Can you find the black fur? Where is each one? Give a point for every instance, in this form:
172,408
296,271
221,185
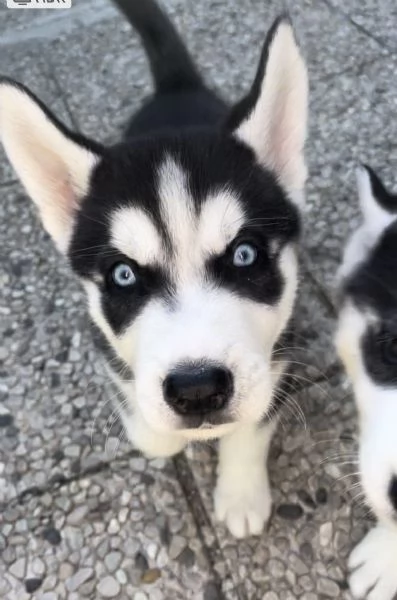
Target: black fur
373,286
386,200
188,122
172,68
374,282
184,120
379,346
181,99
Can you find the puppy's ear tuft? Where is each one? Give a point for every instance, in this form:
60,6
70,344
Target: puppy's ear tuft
378,206
272,118
53,164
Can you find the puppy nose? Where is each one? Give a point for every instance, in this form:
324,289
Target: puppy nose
198,389
393,491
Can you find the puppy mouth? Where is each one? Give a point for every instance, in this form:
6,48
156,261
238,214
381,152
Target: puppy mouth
205,421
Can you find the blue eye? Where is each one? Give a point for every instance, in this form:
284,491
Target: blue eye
244,255
122,275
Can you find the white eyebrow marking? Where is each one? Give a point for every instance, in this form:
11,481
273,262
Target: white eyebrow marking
195,237
220,220
134,234
177,205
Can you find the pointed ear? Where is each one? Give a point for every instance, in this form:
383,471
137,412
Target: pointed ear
53,164
272,118
378,206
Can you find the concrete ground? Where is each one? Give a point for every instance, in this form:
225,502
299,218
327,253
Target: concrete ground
82,515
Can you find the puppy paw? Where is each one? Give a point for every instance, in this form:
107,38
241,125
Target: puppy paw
374,565
243,503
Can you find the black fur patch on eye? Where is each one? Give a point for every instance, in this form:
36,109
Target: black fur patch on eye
261,282
121,306
379,349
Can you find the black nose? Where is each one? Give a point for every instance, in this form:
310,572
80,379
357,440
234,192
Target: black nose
198,389
393,491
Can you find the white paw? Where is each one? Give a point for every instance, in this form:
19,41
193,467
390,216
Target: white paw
374,565
243,503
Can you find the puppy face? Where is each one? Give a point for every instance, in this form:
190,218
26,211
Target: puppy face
367,338
184,243
209,273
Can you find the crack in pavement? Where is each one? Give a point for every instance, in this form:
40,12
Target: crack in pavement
361,28
201,519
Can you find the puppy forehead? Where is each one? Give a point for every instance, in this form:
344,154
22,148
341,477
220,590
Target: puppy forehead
134,234
221,218
210,221
189,226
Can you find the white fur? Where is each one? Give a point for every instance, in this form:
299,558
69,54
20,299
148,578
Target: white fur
242,495
374,565
193,239
357,250
350,328
212,324
374,560
375,217
377,408
54,170
206,322
135,235
276,128
375,221
177,211
377,405
220,220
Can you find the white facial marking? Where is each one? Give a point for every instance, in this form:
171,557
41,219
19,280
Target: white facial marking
220,221
177,211
195,237
134,234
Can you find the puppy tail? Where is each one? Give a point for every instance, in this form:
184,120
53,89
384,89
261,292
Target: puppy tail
172,68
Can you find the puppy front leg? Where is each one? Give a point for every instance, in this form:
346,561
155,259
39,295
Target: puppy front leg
242,495
374,564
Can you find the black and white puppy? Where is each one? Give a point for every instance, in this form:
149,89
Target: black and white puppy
184,237
367,344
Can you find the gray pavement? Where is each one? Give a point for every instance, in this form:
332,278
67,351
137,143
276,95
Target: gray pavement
82,515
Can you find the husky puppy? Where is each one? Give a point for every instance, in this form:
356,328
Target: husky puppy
184,236
367,344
